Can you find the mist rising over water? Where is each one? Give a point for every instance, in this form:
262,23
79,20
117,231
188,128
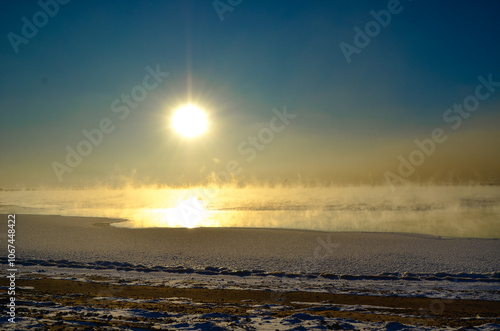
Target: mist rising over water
456,211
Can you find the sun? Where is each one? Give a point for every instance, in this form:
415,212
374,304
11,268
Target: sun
189,121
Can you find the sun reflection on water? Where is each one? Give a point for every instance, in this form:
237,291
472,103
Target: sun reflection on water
187,213
457,211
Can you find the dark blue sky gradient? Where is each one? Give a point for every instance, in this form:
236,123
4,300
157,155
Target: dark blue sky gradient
264,55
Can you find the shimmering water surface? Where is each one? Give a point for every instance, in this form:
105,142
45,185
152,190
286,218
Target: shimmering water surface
458,211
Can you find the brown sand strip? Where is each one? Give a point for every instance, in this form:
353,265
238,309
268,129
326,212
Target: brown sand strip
433,312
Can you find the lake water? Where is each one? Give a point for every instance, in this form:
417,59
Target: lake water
455,211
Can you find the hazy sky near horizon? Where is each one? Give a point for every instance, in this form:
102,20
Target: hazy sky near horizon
356,116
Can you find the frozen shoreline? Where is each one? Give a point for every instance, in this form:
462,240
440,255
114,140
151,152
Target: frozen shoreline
107,260
349,262
271,250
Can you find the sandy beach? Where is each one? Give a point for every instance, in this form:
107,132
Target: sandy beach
59,304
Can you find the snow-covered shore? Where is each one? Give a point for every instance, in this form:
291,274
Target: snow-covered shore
398,264
277,261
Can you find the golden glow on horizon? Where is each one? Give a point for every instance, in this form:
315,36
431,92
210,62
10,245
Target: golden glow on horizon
189,121
187,213
191,212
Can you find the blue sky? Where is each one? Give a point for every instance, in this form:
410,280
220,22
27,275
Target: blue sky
353,119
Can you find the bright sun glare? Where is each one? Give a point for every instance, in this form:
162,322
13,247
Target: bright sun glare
189,121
